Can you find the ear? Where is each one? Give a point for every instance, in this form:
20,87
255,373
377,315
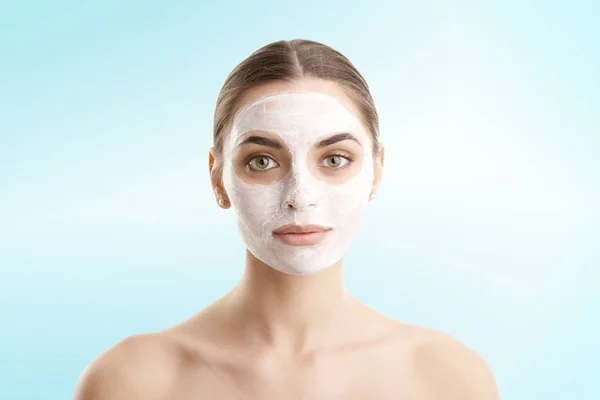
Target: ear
378,165
215,169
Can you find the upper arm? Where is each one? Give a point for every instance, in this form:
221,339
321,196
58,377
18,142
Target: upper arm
451,370
138,367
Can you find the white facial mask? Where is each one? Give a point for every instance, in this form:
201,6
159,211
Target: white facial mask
299,120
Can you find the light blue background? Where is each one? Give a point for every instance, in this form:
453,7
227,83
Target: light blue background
486,225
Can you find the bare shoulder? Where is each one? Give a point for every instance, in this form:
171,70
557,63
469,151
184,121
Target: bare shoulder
138,367
448,369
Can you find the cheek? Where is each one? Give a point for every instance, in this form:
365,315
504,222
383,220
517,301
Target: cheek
345,198
350,196
256,204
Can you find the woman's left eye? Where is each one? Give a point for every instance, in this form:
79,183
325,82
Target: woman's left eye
335,161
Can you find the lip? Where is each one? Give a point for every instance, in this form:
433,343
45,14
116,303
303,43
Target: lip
302,235
293,228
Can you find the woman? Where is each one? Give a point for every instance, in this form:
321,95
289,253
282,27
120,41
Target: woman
296,156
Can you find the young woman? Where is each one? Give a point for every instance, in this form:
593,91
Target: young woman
296,156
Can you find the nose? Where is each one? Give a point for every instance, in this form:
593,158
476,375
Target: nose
299,195
292,204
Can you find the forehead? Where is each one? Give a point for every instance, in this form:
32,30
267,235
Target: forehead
297,85
282,113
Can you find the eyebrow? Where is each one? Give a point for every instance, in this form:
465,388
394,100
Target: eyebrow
263,141
337,138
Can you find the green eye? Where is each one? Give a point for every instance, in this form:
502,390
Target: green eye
334,161
337,161
261,163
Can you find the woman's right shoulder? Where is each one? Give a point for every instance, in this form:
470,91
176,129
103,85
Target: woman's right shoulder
142,366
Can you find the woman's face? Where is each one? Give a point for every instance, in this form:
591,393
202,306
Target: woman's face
298,170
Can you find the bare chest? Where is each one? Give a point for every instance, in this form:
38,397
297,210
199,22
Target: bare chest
374,376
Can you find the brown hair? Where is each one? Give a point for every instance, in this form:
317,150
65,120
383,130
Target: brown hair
290,60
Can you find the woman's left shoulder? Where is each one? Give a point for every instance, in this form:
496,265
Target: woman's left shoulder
448,368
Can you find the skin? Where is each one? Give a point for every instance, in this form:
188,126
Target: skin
280,336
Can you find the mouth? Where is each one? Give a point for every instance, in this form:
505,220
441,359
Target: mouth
302,235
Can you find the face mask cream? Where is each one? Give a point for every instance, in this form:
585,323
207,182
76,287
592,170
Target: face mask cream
301,199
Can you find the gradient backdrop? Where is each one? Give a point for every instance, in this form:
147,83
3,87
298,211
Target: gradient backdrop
486,225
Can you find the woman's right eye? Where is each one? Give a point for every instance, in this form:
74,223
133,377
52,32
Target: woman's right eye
262,163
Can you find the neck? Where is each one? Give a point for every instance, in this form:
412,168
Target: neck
290,313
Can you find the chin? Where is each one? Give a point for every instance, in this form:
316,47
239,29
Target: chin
300,271
304,267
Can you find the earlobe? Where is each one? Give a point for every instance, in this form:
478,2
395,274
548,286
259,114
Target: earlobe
223,203
215,181
222,199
